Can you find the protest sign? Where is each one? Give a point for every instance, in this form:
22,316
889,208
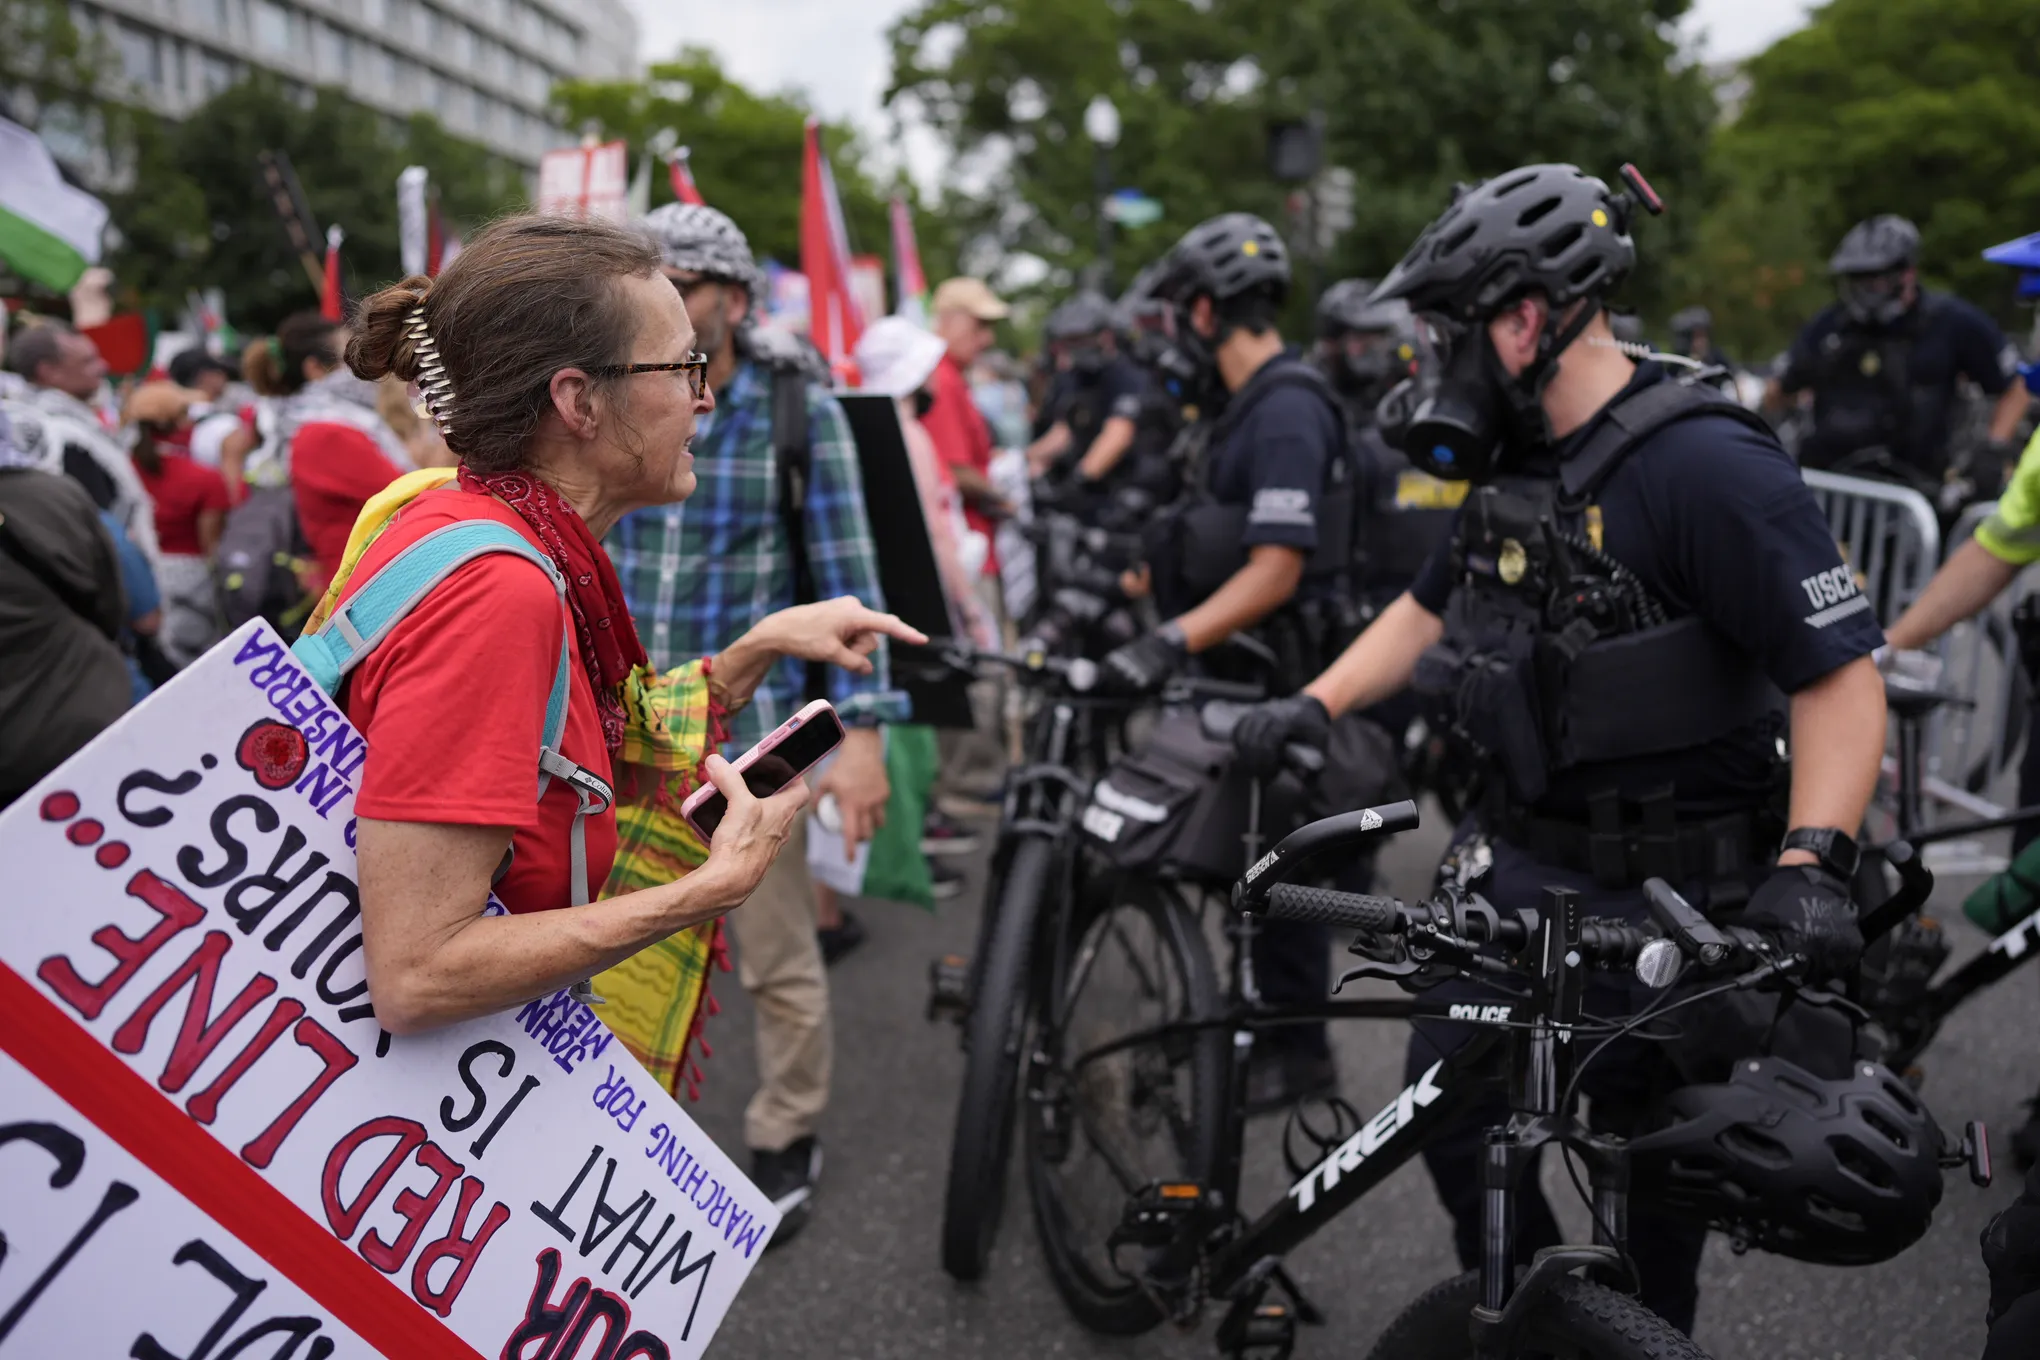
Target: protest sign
208,1145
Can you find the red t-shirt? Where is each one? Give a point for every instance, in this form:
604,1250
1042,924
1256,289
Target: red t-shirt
182,490
962,439
453,704
334,469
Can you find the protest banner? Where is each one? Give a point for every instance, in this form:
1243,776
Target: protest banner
208,1145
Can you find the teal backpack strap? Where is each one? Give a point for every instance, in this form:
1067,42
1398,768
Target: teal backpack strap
357,627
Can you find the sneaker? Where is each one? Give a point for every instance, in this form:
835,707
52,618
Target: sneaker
944,835
787,1178
838,940
1278,1078
945,883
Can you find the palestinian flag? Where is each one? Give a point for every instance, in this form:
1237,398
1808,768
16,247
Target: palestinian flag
49,231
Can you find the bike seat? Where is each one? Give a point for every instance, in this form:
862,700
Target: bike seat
1912,701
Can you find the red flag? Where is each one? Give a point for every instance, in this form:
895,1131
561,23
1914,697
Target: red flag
683,179
834,321
907,264
330,303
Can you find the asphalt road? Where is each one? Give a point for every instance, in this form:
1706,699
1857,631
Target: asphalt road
864,1280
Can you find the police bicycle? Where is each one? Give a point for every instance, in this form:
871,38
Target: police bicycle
1037,878
1177,1241
1901,986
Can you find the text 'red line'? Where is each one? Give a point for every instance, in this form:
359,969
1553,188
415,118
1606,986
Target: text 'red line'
123,1105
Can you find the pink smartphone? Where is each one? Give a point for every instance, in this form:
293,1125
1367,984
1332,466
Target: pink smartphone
780,757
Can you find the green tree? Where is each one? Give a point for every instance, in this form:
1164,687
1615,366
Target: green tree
198,215
1927,108
1413,97
745,152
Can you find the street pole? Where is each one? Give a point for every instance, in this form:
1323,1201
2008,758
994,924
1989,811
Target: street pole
1101,125
1103,165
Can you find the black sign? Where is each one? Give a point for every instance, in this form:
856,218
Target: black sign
906,559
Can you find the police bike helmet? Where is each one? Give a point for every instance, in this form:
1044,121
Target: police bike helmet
1225,258
1550,230
1239,262
1690,319
701,240
1348,306
1869,268
1087,314
1842,1172
1362,344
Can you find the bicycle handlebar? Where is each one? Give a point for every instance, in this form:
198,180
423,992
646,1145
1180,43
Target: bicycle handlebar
1606,944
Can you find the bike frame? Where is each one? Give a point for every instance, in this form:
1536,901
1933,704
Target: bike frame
1529,1050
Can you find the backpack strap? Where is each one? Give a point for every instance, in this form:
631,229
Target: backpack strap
1636,418
357,627
360,624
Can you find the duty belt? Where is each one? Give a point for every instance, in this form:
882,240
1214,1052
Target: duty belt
1623,852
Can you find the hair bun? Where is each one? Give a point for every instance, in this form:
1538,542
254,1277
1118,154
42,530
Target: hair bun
382,344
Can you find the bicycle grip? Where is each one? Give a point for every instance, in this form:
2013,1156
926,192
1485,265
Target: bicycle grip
1325,906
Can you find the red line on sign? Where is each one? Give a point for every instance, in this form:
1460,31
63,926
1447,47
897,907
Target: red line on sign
122,1104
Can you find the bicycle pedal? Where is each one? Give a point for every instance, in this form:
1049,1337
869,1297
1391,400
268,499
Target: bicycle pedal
1264,1331
949,988
1154,1216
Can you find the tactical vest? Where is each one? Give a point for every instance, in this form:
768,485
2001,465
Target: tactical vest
1404,515
1554,654
1196,546
1864,395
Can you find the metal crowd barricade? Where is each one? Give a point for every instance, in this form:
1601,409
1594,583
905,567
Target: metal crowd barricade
1889,536
1971,750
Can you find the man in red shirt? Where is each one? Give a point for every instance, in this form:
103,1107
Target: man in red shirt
965,310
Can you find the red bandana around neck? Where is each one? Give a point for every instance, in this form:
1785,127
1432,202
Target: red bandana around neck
609,642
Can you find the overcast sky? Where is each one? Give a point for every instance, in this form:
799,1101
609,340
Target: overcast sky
835,50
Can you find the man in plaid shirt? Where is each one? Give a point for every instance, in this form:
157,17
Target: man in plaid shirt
701,573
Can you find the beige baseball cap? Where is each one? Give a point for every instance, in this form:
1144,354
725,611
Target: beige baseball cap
966,294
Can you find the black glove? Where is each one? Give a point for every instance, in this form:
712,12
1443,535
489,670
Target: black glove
1145,664
1810,911
1265,729
2011,1249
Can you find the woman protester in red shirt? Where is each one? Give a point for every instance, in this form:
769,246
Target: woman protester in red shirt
559,365
191,506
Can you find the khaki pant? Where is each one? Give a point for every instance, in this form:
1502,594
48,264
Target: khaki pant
779,963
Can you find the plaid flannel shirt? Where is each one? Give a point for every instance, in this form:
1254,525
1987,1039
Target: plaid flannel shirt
700,573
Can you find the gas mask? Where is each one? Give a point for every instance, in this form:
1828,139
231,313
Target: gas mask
1874,299
1460,409
1183,361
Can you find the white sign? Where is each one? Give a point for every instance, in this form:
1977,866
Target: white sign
206,1139
591,181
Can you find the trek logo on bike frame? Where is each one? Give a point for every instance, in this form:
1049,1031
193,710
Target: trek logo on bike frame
1362,1145
2020,938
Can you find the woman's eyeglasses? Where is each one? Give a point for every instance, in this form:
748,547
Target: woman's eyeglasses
695,366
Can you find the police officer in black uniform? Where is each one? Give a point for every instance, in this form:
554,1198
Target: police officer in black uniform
1262,546
1364,349
1638,594
1094,399
1883,362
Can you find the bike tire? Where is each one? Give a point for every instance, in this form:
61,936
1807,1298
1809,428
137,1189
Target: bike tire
1577,1320
1185,984
993,1036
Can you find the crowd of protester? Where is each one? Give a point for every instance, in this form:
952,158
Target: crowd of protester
143,517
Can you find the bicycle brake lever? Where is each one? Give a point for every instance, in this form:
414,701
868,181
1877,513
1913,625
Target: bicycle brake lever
1399,973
